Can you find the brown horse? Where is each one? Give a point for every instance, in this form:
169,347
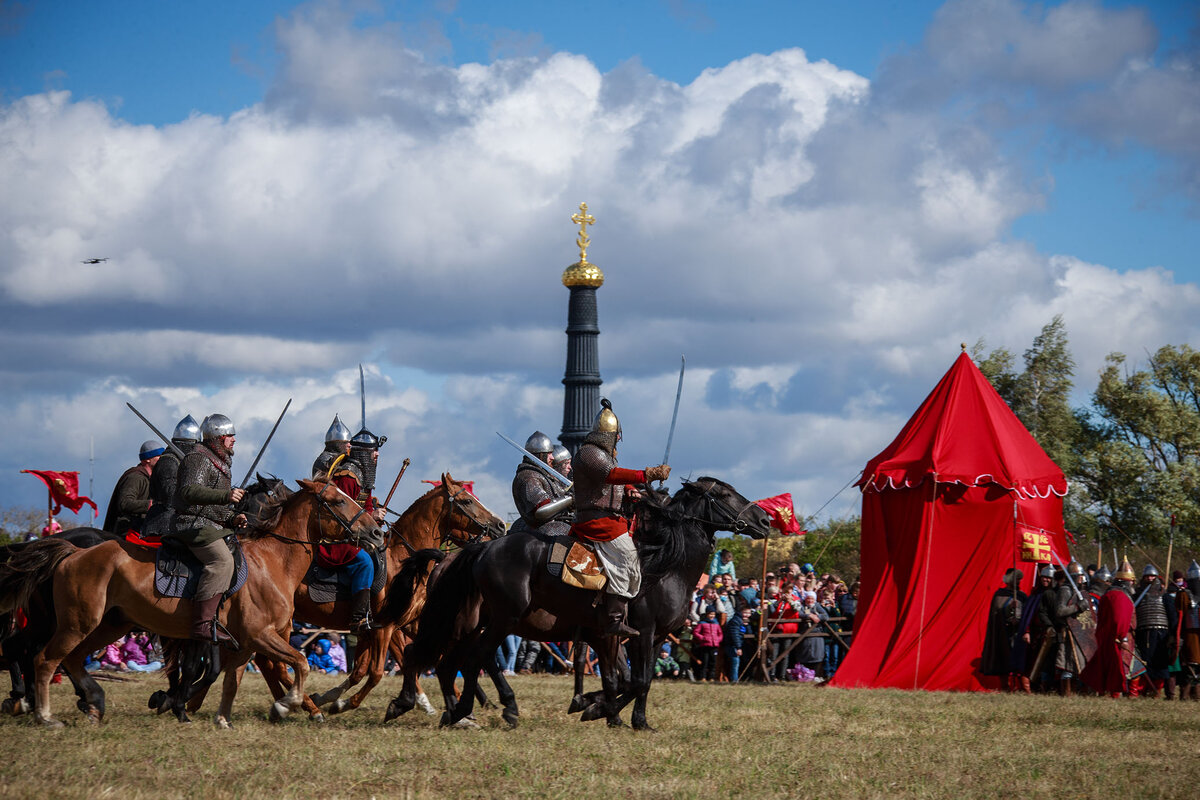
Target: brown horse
103,592
445,515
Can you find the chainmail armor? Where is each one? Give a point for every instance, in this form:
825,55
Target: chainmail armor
1151,613
594,498
163,480
202,467
530,488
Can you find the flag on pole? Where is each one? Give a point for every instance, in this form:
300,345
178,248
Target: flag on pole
64,490
1035,544
783,514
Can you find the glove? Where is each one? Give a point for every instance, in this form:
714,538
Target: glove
659,473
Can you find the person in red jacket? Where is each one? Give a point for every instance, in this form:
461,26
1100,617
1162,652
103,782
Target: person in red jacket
787,612
707,637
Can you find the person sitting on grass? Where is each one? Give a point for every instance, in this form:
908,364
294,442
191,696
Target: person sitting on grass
319,660
138,653
337,652
111,659
665,666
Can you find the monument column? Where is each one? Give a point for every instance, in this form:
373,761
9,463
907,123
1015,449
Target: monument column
582,380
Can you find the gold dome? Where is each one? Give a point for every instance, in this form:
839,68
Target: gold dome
583,273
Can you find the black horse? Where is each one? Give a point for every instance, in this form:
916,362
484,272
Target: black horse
191,665
502,587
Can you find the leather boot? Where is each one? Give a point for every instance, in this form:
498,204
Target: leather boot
205,626
1064,687
1170,689
360,611
614,612
1026,686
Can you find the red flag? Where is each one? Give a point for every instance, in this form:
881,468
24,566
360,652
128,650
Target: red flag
783,515
64,490
468,485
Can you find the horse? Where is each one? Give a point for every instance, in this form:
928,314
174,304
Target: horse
445,515
103,592
502,587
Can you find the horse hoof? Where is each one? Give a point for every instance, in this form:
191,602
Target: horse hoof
317,717
578,703
279,710
52,724
594,711
94,717
339,707
23,707
511,718
616,723
155,703
424,704
645,726
466,724
222,724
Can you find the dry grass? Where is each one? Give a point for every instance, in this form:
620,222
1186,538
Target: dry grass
713,741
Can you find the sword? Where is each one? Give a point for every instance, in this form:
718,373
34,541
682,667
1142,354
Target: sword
362,394
174,447
1143,594
263,449
1070,580
537,462
403,467
674,416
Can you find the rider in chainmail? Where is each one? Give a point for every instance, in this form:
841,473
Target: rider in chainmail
166,475
337,442
599,495
545,505
204,519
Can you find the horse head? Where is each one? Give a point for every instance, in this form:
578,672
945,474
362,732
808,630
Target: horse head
339,518
262,497
465,519
720,507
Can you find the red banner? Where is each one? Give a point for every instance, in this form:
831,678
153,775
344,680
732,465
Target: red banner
1035,544
468,485
783,514
64,490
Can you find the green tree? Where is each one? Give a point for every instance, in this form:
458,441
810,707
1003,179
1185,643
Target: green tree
1140,453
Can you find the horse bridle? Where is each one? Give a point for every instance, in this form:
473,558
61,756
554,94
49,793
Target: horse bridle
732,519
346,526
452,504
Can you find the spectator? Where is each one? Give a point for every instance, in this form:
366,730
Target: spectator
506,654
138,653
338,653
747,593
735,636
110,658
549,662
319,660
811,650
707,600
722,564
665,666
708,635
684,651
51,527
527,656
848,605
833,648
725,609
785,614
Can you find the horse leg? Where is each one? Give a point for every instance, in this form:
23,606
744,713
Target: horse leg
368,662
87,688
479,652
641,672
357,671
506,695
579,701
609,707
205,660
233,679
272,645
15,703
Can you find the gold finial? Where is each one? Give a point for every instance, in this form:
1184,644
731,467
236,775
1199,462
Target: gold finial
963,345
583,273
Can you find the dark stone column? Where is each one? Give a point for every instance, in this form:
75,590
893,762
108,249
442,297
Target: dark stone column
582,378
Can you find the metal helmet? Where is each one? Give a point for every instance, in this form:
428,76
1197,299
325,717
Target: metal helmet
150,448
1150,571
606,421
561,454
1126,572
362,446
188,430
1193,570
215,425
1103,574
539,444
1046,572
337,432
1078,574
1193,579
1012,577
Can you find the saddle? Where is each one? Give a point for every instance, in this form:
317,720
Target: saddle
177,571
574,562
331,584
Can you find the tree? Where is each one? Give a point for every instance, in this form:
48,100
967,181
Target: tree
1140,453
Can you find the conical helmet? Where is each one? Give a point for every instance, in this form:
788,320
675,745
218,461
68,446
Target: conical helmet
1126,572
1103,574
215,425
606,421
188,430
1150,571
337,432
1046,572
539,443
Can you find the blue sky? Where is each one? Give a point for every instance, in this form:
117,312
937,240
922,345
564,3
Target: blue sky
815,201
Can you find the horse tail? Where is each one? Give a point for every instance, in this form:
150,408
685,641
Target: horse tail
448,595
403,589
26,567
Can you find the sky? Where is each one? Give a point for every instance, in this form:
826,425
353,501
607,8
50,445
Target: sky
815,202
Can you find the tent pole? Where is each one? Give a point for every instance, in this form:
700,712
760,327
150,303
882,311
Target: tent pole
762,615
1016,551
925,583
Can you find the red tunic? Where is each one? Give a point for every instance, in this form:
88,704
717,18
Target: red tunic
605,529
342,553
1106,672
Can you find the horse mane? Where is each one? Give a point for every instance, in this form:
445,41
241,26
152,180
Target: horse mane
412,508
668,534
270,515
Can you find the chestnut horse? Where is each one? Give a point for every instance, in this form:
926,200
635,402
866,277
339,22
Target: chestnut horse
446,514
103,592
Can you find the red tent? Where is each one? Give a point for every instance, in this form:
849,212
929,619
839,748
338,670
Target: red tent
962,493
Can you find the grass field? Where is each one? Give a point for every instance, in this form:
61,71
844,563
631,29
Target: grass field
712,741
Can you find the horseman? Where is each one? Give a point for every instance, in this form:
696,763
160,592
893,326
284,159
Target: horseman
354,475
337,443
166,475
540,500
600,489
131,496
203,519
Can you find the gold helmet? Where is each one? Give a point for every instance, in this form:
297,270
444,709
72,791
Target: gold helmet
1126,572
606,421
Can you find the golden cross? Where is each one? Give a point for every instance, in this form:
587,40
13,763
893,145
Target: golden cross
583,219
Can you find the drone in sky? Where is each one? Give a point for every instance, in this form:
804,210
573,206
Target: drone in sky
93,261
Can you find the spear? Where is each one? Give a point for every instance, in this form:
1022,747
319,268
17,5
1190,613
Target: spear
1170,547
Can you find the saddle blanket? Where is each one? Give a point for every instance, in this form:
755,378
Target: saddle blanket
575,563
177,571
329,585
